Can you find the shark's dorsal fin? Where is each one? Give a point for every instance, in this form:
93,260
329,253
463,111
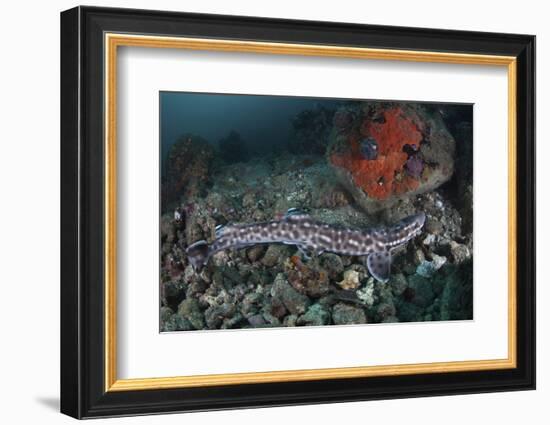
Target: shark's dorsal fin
220,229
379,265
295,214
294,211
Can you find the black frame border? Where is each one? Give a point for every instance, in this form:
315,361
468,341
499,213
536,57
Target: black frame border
82,206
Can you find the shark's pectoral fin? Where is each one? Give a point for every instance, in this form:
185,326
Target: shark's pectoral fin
198,254
379,265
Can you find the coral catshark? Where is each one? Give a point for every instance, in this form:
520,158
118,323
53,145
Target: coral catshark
313,238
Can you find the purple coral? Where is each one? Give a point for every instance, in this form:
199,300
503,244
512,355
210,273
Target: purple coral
414,166
369,148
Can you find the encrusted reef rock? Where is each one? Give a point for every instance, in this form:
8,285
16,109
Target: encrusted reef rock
350,281
187,167
344,314
295,302
308,279
316,315
384,152
189,309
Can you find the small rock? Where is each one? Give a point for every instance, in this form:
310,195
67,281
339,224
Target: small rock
316,315
295,302
173,292
176,323
217,278
165,313
438,261
255,252
419,257
429,240
422,291
188,273
459,252
398,283
333,264
240,290
195,287
366,294
361,269
249,200
233,322
344,314
350,281
275,308
231,277
385,310
205,275
258,278
290,320
256,320
190,310
409,268
214,315
251,303
273,255
308,280
428,268
433,226
409,312
220,258
270,319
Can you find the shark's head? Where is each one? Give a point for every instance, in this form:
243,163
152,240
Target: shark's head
413,223
406,229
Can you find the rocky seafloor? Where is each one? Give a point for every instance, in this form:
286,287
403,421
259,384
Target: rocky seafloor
272,285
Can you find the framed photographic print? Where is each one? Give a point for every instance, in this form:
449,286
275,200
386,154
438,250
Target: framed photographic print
261,212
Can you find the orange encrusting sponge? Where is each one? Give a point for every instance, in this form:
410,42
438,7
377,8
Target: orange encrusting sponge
377,177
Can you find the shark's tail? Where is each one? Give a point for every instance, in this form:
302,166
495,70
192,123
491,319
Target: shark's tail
198,254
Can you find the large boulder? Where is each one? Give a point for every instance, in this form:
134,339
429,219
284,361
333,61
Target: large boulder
385,152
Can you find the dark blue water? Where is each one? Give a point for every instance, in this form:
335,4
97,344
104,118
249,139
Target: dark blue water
264,121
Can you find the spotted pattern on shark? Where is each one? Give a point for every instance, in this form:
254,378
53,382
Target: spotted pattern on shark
312,238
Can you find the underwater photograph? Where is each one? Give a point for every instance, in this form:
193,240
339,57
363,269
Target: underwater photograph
283,211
